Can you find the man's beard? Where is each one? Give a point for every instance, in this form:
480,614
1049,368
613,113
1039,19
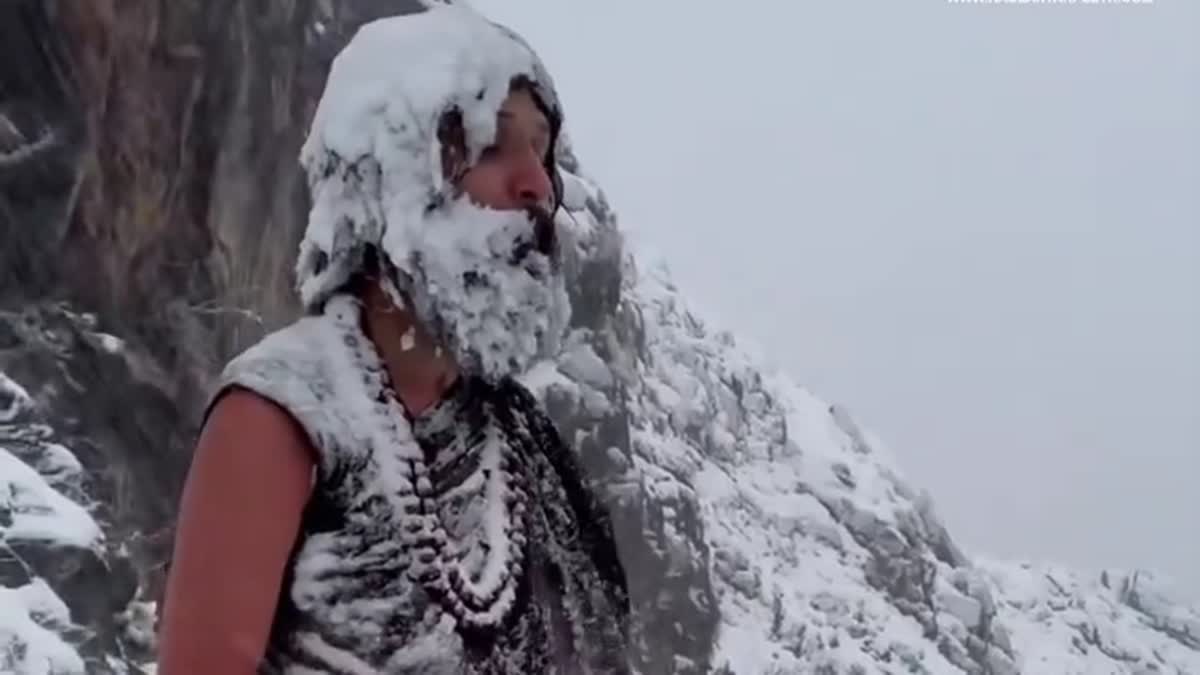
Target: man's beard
484,284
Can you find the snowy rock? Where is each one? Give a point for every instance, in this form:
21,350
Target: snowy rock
1064,621
581,363
32,619
14,400
65,583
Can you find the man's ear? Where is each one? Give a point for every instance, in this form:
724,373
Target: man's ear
453,141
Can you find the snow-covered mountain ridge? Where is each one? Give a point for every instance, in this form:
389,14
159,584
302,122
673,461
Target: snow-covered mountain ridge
823,557
827,560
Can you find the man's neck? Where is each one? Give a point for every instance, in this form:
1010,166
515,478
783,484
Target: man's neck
420,371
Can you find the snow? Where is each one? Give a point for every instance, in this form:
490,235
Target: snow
32,510
374,164
510,315
1074,623
28,643
383,99
17,154
582,363
38,511
793,509
545,376
110,343
14,399
790,579
57,463
802,507
495,524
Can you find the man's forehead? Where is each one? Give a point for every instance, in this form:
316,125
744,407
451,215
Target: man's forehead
511,113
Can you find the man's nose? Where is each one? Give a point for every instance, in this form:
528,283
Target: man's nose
530,184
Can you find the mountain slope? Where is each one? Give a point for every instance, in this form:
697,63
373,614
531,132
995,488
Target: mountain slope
820,556
826,560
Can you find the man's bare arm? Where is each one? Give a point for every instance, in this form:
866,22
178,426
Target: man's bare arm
239,517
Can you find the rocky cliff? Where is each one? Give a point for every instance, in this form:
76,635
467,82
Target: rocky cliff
150,208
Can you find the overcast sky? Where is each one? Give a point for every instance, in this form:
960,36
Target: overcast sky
976,226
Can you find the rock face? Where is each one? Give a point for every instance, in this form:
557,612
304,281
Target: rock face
148,190
150,207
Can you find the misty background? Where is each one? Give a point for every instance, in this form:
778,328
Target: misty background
977,226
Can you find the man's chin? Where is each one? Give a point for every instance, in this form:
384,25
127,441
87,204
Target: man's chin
492,360
489,335
485,283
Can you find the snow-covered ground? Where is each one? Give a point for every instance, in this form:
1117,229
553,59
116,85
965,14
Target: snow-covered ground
34,512
1112,622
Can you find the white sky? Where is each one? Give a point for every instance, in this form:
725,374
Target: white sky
977,226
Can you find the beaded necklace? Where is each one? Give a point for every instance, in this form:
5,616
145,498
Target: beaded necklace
436,560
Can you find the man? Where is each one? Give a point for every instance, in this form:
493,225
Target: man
373,491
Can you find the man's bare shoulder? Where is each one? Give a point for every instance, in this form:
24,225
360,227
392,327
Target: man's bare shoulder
242,420
239,516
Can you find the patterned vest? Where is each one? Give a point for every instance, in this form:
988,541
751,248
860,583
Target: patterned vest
461,541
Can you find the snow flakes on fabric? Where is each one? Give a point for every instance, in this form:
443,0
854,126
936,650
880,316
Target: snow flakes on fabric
463,540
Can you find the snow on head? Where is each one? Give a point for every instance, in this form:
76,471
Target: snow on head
475,277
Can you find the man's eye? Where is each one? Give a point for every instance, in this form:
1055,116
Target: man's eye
490,152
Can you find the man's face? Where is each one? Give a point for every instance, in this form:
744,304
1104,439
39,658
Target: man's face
481,267
511,173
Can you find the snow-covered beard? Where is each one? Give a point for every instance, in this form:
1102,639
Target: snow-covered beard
484,284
